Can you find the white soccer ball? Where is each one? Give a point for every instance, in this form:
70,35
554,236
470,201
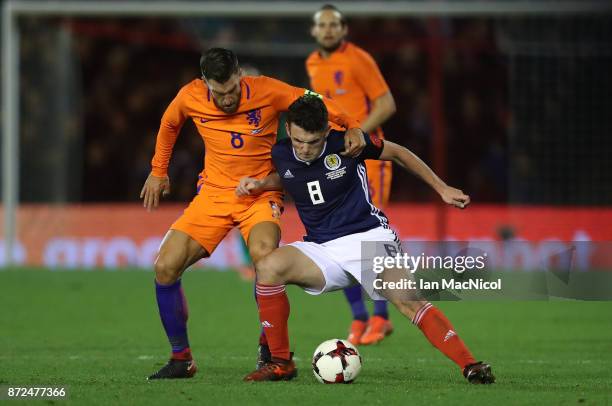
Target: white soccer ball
336,361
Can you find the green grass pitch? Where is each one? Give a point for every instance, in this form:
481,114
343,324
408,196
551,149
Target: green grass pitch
99,333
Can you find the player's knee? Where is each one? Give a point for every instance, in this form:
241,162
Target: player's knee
166,272
260,249
270,271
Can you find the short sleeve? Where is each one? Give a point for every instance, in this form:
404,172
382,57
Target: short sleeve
369,76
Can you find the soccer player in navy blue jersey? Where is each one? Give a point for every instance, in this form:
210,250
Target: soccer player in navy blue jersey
331,195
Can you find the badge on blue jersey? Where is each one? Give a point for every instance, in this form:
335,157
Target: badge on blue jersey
332,162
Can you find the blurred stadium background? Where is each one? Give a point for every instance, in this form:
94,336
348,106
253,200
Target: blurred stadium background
508,100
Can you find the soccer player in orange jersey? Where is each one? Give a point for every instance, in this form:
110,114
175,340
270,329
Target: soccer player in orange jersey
237,117
349,75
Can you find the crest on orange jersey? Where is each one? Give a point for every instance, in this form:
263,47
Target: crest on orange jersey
338,77
277,210
254,117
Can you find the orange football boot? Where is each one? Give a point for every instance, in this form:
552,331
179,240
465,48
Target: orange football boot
358,327
378,329
276,370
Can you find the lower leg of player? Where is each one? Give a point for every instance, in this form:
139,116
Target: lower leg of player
442,335
355,298
285,265
273,306
274,314
262,239
263,351
262,335
440,332
177,252
360,314
380,309
431,321
174,313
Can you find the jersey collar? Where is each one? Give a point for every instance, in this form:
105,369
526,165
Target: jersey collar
245,90
340,49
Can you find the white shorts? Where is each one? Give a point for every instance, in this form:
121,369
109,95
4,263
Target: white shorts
345,261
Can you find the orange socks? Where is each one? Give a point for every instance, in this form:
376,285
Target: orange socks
441,334
274,313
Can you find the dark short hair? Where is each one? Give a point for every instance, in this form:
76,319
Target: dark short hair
331,7
218,64
309,113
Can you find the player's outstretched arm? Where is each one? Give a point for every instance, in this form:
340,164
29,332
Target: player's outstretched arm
408,160
251,186
153,187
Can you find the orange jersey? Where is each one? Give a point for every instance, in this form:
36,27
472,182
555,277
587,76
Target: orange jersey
349,76
238,144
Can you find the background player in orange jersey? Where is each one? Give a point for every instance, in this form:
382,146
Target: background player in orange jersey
350,76
237,117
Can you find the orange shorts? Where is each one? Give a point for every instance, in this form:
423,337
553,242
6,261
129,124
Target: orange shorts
379,179
214,212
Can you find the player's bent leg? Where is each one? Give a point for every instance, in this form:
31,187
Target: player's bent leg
177,252
289,265
286,265
263,239
437,329
359,324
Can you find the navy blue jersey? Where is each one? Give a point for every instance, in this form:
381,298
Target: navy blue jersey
330,193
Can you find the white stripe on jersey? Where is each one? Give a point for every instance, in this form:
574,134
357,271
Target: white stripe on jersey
361,171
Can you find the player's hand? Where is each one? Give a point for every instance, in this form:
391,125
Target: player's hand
154,187
249,186
455,197
354,142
